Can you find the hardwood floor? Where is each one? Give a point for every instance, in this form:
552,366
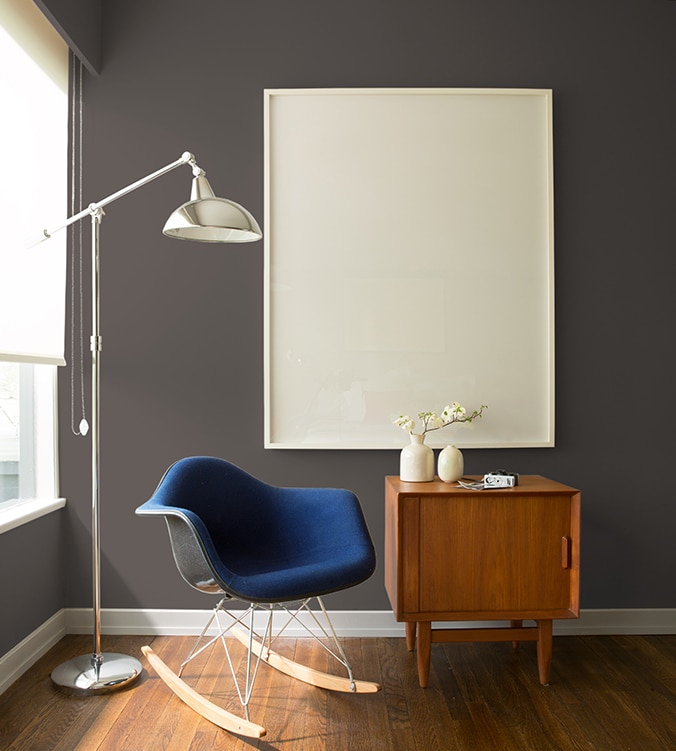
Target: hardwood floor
606,694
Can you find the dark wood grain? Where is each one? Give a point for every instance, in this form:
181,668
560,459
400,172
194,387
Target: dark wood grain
607,693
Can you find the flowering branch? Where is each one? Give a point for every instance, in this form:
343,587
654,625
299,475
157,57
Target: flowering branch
452,413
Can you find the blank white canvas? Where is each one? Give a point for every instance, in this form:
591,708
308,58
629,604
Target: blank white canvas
409,264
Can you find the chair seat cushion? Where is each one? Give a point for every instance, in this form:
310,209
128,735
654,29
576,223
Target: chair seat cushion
301,577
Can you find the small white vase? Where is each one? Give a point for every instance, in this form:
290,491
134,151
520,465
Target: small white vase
451,464
416,463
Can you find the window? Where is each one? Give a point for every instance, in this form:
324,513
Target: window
34,128
9,432
27,433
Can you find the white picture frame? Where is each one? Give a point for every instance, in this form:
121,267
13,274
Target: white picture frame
409,263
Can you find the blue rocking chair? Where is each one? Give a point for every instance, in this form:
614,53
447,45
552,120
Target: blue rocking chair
275,549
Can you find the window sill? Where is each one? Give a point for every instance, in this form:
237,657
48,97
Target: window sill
26,511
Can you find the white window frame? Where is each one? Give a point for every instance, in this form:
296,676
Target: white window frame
27,433
38,459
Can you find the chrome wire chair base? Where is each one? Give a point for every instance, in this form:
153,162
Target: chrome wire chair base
255,628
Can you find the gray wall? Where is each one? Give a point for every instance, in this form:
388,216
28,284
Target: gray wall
183,324
32,575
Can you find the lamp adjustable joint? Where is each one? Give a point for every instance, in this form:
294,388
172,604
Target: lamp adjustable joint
96,211
189,158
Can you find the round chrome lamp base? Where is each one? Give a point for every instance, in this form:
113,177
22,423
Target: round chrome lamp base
96,674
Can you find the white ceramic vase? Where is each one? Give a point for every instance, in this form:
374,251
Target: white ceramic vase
450,464
416,463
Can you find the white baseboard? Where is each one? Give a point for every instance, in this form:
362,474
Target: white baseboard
352,623
191,622
615,622
358,623
15,663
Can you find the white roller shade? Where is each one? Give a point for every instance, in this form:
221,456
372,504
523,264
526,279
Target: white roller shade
33,184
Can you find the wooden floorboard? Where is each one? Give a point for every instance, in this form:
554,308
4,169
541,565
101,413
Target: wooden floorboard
607,693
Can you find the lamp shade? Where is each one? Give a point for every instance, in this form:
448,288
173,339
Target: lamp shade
206,218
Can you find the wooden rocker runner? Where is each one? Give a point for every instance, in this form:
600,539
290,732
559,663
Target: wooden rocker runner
275,549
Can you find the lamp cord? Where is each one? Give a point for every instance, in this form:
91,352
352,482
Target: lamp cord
76,307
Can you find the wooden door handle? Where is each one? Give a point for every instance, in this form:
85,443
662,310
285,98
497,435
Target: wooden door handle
565,552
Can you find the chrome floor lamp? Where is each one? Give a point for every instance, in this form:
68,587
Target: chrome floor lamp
205,218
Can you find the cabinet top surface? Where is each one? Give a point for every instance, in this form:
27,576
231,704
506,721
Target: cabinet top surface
534,484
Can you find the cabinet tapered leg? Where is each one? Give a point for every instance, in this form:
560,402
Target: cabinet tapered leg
424,652
515,624
410,635
544,650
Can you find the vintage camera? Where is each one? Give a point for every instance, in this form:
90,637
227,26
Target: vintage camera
500,479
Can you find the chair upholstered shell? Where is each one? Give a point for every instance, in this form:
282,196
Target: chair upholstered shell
235,534
277,549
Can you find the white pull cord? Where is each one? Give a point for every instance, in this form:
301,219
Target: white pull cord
76,302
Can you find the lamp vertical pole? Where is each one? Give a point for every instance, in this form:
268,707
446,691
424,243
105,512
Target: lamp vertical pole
98,672
95,447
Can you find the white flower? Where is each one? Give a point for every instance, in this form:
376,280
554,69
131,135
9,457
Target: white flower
435,422
452,413
405,422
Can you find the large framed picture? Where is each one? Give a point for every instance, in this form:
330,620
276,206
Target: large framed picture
409,263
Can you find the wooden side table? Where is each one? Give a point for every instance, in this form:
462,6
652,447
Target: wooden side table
453,554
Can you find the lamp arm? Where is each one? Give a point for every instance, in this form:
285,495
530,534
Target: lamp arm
95,208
